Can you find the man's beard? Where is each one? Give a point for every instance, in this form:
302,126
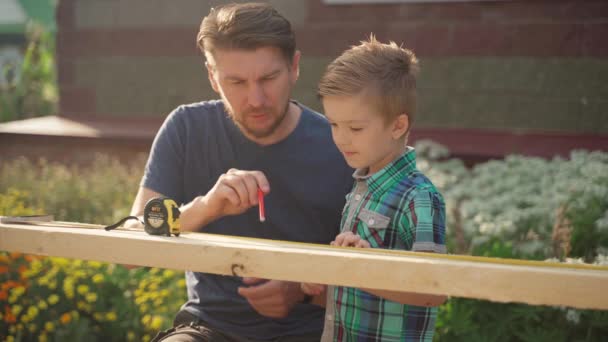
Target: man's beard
258,133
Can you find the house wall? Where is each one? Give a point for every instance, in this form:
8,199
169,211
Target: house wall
512,66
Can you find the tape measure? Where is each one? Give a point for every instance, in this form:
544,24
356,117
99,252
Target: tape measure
161,217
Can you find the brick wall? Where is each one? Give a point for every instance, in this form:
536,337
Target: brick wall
515,66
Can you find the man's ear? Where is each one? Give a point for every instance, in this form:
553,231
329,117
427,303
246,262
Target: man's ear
401,125
295,66
211,75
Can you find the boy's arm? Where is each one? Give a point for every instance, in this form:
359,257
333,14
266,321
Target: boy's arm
425,214
409,298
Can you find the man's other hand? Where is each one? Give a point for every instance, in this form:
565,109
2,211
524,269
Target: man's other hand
271,298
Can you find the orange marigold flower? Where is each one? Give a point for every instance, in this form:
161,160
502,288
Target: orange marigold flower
65,318
8,315
30,257
3,295
3,269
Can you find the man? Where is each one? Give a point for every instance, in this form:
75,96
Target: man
213,156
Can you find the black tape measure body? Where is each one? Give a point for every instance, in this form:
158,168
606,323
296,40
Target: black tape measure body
161,217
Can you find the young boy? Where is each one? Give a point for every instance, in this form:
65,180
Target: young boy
369,97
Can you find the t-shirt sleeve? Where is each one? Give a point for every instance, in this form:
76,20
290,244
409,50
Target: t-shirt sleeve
164,168
426,215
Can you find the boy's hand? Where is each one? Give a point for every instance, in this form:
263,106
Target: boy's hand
348,239
312,289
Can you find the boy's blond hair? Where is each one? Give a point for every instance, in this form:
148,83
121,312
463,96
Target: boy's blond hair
385,73
246,26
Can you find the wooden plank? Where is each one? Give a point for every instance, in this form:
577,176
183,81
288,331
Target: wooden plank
499,280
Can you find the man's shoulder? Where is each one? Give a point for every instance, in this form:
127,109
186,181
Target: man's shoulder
313,115
202,108
196,116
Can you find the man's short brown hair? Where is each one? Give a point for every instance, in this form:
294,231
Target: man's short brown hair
385,73
246,26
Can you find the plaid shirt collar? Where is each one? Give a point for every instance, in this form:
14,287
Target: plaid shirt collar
384,179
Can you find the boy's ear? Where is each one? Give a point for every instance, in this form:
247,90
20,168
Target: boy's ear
401,126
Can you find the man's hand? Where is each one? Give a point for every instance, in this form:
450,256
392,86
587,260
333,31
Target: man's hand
235,192
312,289
271,298
348,239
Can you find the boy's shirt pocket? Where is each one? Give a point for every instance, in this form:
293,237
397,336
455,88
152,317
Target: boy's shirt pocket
372,227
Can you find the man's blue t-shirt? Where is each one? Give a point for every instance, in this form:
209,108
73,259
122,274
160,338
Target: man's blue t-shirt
308,180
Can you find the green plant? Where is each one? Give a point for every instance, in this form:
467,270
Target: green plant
73,300
523,208
33,90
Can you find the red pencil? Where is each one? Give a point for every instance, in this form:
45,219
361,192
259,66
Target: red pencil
261,205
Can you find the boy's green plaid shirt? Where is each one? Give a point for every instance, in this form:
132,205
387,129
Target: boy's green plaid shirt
395,208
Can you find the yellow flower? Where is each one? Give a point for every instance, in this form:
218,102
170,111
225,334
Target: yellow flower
156,323
95,264
153,286
12,329
168,273
91,297
53,299
98,316
42,305
49,326
146,319
52,284
111,316
82,289
145,338
181,283
15,293
61,262
18,290
32,312
80,274
68,287
10,339
130,336
42,338
144,308
98,278
16,309
43,281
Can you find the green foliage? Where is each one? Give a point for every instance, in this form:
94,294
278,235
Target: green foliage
523,208
32,86
73,300
520,207
101,192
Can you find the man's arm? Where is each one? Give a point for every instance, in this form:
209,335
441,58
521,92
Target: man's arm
233,193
